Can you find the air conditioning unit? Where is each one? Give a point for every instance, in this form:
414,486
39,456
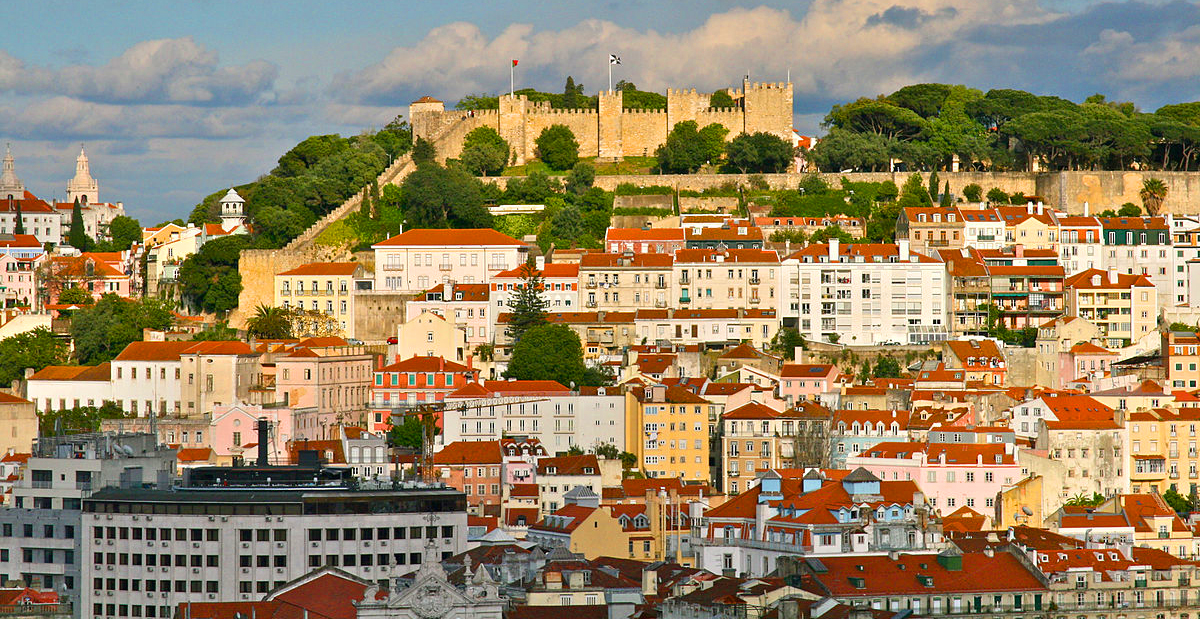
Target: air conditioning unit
212,596
135,518
164,569
195,544
278,518
97,517
268,519
149,518
212,518
110,542
279,544
166,545
108,516
224,518
245,570
164,594
110,568
149,568
366,568
245,544
315,544
110,594
383,542
366,543
279,570
149,594
195,570
148,544
97,542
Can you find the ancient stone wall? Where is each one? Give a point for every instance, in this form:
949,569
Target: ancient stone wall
583,123
378,313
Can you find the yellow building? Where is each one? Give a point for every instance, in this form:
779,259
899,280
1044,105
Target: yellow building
430,335
650,531
1163,450
326,287
667,429
18,424
1123,306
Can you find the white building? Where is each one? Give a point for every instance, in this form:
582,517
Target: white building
864,294
147,551
146,377
544,410
419,259
982,228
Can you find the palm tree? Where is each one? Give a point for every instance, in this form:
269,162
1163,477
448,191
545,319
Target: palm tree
270,323
1153,193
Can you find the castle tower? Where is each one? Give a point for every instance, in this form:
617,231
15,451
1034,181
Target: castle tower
10,185
83,186
232,210
612,107
512,126
424,115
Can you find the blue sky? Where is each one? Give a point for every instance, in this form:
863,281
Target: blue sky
176,100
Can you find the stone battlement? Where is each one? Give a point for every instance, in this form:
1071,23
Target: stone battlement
611,131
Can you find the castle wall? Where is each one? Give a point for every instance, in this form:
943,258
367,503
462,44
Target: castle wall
583,123
643,131
768,108
731,118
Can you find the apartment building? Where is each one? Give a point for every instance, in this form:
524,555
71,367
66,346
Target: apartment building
147,377
727,279
1079,242
929,229
1030,226
708,328
865,294
1123,306
756,438
952,475
334,380
150,551
1026,285
326,287
626,281
982,228
643,240
59,387
553,414
667,429
736,235
1142,246
418,259
1181,359
21,258
480,468
1163,450
560,287
419,380
463,305
1090,450
853,432
854,226
216,374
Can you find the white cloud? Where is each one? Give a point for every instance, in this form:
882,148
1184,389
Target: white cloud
838,48
163,71
1120,56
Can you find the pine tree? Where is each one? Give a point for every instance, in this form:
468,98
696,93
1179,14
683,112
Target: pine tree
375,206
527,308
77,237
20,227
946,196
933,186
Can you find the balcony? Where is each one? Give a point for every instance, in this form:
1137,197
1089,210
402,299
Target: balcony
393,266
937,243
445,266
661,303
685,299
590,284
756,301
285,292
85,486
661,284
41,485
754,281
590,303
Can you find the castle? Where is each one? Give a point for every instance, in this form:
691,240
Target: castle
610,132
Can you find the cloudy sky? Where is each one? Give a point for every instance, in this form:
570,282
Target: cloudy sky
177,100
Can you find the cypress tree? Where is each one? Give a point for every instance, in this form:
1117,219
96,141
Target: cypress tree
933,186
20,227
527,308
77,237
946,195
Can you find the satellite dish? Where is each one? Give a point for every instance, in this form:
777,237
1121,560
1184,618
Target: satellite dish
1025,510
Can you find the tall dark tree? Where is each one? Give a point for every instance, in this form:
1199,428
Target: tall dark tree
933,186
572,94
527,308
77,237
19,228
423,151
945,203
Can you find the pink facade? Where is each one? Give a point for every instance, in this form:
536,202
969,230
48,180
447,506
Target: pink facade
466,305
801,382
233,428
18,280
335,383
1085,361
952,475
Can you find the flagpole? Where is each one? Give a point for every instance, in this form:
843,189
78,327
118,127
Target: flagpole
512,70
610,74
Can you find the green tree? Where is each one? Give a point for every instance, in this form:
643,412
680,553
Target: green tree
878,117
33,350
101,331
1129,209
270,323
580,178
1153,194
785,342
443,197
557,147
77,237
926,100
886,367
572,96
914,193
19,226
628,460
933,186
972,192
712,138
843,149
423,151
209,278
75,296
831,232
410,433
607,451
1177,501
1083,500
305,155
759,153
568,224
574,450
124,231
548,352
684,150
721,98
996,195
81,419
218,332
527,308
484,152
945,202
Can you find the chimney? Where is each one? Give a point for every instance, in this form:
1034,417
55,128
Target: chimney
834,249
1039,207
263,429
903,250
540,262
1112,275
447,291
1020,251
649,582
1085,210
1029,207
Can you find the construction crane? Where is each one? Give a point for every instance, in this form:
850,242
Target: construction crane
428,415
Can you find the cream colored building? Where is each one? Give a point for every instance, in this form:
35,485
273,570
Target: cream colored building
335,380
626,282
1123,306
419,259
18,424
430,335
218,374
326,287
727,279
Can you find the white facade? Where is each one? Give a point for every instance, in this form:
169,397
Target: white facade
1156,262
51,394
557,421
419,259
866,294
241,546
142,387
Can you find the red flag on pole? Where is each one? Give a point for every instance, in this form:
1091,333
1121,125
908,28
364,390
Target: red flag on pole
514,63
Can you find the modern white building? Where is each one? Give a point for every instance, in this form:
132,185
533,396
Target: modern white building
865,294
148,551
544,410
59,387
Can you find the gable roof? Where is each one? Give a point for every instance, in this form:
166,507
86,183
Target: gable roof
102,372
485,237
324,268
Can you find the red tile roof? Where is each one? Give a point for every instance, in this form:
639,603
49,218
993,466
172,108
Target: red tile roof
425,364
555,269
330,593
450,238
647,260
1095,279
644,234
712,256
102,372
470,452
325,268
569,465
882,575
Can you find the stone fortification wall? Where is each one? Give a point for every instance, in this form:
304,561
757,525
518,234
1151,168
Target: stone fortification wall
378,313
610,131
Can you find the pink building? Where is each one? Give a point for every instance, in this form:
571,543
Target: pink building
801,382
466,305
420,258
99,274
234,432
952,475
644,240
1085,361
330,380
18,280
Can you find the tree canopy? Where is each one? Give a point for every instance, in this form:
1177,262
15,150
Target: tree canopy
34,350
484,152
436,196
209,278
103,330
557,147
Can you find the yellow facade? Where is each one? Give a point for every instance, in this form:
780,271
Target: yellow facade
1163,446
667,429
